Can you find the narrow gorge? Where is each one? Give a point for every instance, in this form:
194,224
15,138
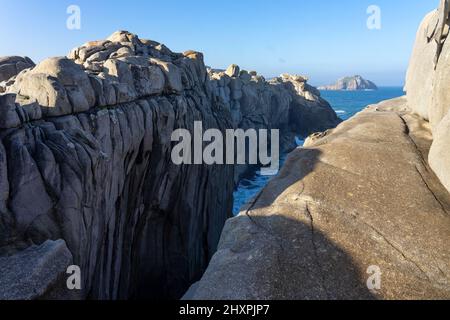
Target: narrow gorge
359,211
86,176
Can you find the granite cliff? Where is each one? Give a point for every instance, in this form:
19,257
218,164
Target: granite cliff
367,200
86,176
427,83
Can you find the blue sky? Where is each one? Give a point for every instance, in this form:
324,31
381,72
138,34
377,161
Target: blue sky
324,39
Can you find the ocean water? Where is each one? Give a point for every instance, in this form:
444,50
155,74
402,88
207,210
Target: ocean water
346,104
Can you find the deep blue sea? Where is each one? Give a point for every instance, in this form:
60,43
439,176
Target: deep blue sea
346,104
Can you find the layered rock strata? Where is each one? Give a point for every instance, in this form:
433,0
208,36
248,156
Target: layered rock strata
10,67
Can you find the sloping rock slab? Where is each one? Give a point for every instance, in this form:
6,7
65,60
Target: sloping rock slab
357,199
34,272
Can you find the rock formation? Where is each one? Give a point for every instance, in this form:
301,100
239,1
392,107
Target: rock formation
363,211
355,201
85,164
351,84
41,277
427,86
287,103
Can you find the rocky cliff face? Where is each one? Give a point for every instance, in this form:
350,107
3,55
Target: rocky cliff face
427,84
363,211
10,67
358,201
287,103
351,84
85,164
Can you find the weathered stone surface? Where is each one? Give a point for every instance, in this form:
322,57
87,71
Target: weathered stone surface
58,84
286,103
11,66
361,195
9,117
172,74
351,84
440,152
439,106
427,84
35,272
420,75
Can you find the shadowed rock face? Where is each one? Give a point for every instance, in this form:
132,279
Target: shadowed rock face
358,196
11,66
85,157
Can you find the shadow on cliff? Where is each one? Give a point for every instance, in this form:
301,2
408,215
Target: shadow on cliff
279,258
299,164
310,265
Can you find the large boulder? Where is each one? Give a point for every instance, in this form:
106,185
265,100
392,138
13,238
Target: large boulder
440,151
440,95
58,84
420,75
96,169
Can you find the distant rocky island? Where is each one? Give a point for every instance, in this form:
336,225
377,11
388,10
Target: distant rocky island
354,83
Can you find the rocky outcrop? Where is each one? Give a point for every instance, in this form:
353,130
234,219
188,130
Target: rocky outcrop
427,84
12,66
362,211
287,103
85,157
351,84
357,201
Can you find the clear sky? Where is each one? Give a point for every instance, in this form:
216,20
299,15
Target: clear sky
324,39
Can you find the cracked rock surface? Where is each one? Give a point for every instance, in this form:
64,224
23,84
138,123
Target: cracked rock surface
358,196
